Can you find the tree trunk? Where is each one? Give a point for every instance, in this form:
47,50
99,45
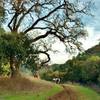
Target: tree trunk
14,66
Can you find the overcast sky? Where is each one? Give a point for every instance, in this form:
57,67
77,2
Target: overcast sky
92,24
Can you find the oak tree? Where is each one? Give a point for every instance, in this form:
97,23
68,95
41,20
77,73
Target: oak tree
37,21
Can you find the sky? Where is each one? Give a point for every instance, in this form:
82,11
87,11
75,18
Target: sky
92,24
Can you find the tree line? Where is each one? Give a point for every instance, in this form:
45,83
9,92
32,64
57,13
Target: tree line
84,69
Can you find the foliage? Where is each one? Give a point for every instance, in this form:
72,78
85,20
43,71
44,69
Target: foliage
58,19
2,12
4,69
11,45
84,69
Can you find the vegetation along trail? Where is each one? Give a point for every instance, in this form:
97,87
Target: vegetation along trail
75,92
67,94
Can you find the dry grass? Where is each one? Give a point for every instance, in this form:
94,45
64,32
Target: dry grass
27,88
21,84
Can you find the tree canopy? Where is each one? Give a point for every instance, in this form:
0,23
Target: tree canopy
35,21
84,70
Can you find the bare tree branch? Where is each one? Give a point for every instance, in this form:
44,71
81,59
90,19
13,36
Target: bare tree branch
48,57
42,18
24,14
59,18
11,22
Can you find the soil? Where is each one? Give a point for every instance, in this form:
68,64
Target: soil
66,94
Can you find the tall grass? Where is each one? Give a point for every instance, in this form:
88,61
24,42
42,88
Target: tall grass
24,89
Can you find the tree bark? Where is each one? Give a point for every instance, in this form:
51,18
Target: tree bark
14,67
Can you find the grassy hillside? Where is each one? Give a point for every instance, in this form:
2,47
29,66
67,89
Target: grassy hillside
29,95
24,89
86,93
36,89
94,50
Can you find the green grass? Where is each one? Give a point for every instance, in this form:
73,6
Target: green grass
24,89
31,96
85,93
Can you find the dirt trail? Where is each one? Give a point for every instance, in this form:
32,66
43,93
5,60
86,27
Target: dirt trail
67,94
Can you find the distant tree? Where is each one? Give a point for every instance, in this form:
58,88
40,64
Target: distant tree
92,68
60,19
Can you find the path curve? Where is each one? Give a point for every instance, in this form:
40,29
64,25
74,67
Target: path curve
66,94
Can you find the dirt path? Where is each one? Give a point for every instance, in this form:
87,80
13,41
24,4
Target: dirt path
67,94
